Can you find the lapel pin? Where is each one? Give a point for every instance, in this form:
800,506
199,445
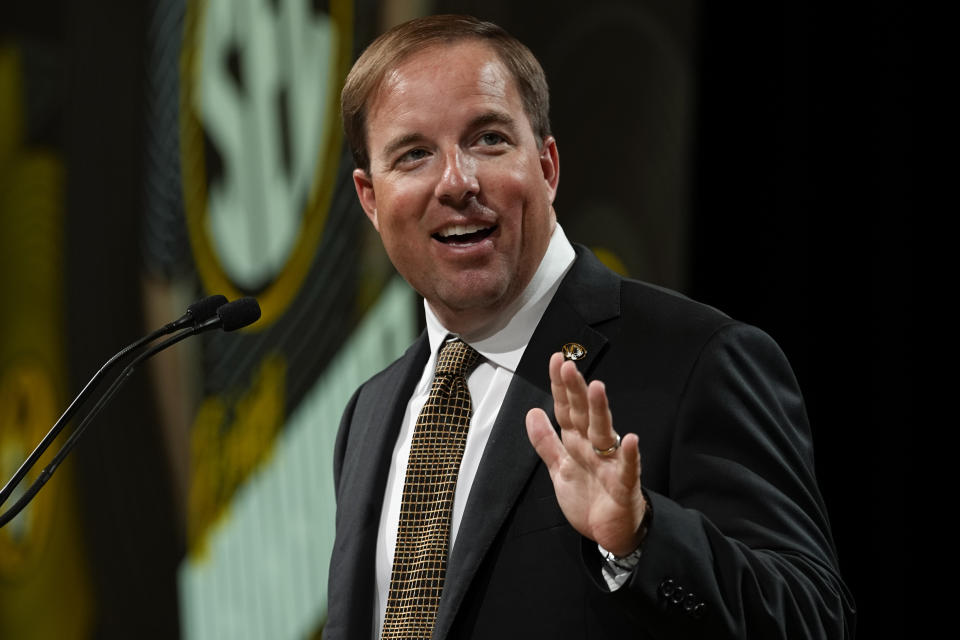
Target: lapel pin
573,351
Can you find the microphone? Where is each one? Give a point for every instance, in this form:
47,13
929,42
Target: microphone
196,314
232,316
199,311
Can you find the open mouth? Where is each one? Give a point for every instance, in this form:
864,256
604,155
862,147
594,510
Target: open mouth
463,234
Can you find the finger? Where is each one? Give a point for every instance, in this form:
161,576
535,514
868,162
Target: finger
576,397
630,460
544,439
561,405
600,431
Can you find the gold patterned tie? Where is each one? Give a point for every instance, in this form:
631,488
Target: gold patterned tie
423,532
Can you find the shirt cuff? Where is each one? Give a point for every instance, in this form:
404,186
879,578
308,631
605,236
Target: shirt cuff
616,570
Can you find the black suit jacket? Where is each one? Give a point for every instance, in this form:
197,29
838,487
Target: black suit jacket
738,545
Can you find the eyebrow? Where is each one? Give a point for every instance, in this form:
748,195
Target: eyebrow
492,117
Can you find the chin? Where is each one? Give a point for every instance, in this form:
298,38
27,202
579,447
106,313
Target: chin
469,299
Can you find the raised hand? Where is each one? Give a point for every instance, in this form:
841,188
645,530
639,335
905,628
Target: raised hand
595,474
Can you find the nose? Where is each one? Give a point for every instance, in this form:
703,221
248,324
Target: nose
459,180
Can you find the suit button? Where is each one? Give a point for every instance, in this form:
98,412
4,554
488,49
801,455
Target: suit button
697,612
667,588
689,603
678,595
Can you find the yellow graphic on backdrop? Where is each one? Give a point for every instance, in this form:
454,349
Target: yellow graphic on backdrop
41,550
231,436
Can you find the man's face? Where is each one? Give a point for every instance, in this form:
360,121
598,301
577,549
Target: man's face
458,189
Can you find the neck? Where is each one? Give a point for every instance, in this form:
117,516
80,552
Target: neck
465,323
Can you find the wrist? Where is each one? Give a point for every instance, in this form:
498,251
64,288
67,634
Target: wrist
632,547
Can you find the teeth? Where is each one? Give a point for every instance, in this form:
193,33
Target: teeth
460,230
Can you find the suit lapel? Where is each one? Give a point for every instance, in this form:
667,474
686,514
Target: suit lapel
588,295
374,430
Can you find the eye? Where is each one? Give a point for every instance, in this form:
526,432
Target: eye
491,139
412,155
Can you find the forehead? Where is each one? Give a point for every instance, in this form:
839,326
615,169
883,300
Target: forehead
443,80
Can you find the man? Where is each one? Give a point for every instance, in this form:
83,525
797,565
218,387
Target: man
548,527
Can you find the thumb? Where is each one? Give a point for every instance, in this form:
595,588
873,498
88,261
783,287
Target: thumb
544,439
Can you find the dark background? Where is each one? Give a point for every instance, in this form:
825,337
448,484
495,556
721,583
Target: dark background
803,226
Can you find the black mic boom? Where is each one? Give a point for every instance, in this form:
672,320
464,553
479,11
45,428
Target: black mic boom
204,315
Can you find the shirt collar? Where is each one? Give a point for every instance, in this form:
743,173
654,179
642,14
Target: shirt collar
505,342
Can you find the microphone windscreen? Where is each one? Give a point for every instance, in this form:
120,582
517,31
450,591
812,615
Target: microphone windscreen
239,313
206,308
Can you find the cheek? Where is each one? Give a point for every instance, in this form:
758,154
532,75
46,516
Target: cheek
402,208
521,198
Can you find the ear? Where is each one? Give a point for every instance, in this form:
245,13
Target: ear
368,199
550,165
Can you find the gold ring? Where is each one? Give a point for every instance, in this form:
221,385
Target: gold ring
609,451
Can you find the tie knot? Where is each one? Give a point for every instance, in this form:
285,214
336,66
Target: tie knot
456,358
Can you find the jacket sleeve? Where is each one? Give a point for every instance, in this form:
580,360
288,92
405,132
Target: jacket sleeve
739,543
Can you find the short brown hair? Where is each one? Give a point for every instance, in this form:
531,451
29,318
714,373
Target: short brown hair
395,45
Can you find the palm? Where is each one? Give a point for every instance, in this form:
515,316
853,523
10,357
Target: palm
599,495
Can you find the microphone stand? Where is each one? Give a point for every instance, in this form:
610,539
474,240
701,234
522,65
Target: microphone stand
197,312
231,316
